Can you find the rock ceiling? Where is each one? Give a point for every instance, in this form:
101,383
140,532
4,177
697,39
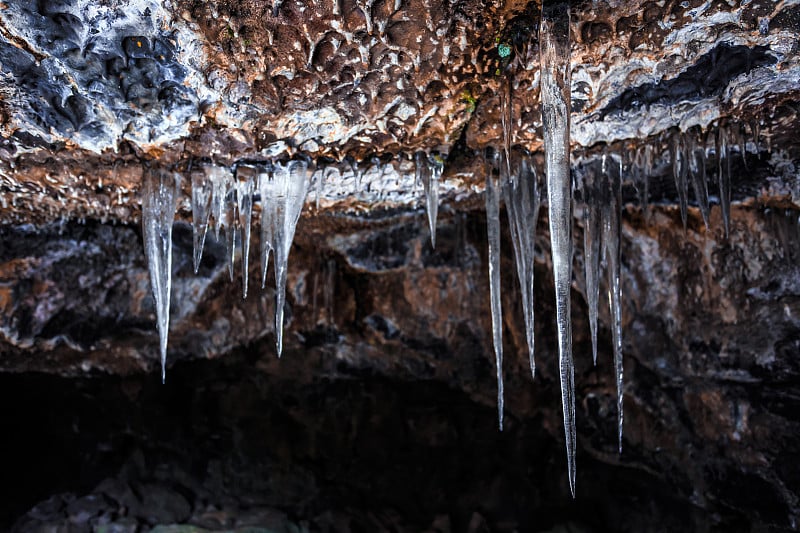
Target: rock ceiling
90,89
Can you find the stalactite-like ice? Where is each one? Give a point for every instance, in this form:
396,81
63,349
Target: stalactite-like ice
245,185
201,206
429,170
724,175
592,227
680,172
506,108
221,181
283,192
265,191
697,171
554,50
521,194
611,207
159,202
493,230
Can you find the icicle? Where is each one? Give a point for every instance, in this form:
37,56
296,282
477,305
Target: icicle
201,206
245,184
493,230
697,173
724,175
611,246
755,129
230,228
429,170
741,140
680,171
554,50
648,171
641,168
506,108
266,192
221,184
592,226
521,194
283,194
159,202
319,178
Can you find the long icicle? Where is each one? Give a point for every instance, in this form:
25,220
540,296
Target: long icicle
266,186
611,245
680,172
245,185
724,175
521,194
493,230
696,147
554,50
292,185
592,227
159,202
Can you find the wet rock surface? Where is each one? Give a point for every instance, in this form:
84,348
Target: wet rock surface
380,414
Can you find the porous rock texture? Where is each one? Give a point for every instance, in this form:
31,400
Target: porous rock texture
380,414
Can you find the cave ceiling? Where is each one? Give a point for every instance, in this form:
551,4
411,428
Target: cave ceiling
89,90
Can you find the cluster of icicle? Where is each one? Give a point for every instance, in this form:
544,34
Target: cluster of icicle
600,184
224,200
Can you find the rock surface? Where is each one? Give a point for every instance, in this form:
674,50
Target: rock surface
380,414
384,330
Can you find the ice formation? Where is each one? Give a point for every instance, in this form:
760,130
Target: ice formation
159,202
611,206
492,194
429,168
283,188
724,175
245,185
592,226
680,173
554,50
224,200
521,195
201,210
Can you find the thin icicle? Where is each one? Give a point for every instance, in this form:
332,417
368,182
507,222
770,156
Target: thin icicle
521,194
755,130
737,129
611,246
680,172
493,230
319,178
506,108
201,210
159,202
266,192
647,172
724,175
592,227
230,218
697,173
554,50
245,185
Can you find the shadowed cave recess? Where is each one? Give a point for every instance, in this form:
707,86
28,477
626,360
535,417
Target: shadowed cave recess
399,265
